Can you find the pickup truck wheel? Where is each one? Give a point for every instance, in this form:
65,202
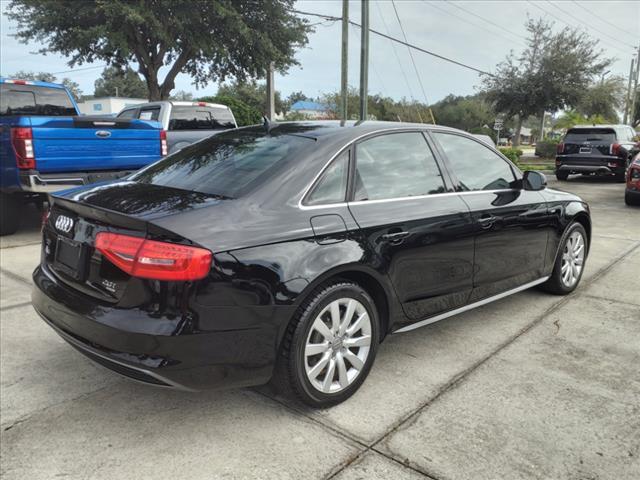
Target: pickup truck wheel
9,214
562,176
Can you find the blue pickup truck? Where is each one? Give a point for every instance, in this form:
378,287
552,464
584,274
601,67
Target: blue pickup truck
46,145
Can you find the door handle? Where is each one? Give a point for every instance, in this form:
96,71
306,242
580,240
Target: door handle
487,221
395,237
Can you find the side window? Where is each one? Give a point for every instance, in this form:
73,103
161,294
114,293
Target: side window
396,165
149,114
476,166
127,113
332,186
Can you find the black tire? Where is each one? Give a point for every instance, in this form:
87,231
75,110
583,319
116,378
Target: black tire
290,376
562,176
9,214
555,284
631,200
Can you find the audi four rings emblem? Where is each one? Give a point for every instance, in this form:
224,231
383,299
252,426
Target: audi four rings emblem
64,224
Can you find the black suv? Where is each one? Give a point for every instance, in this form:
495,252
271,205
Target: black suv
601,149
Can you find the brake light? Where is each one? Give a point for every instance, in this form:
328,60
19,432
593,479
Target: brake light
19,82
202,104
22,141
560,147
144,258
614,149
163,143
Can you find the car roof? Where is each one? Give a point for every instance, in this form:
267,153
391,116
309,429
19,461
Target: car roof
335,128
37,83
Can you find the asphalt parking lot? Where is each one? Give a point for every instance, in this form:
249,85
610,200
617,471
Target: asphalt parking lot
532,386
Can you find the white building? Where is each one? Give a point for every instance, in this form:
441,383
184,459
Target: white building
107,105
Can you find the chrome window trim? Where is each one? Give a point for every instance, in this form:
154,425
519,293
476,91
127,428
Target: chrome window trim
400,199
344,147
471,306
306,191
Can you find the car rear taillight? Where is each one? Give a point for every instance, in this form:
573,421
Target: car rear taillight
614,149
144,258
560,147
163,143
22,141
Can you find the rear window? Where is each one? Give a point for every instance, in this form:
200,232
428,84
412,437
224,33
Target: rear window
229,164
200,118
593,135
35,101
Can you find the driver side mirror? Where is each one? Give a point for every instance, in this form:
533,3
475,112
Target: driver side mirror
533,180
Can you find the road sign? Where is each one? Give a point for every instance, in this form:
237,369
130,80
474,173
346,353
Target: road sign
497,125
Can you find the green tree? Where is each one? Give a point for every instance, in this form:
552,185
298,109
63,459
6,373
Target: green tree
72,86
120,82
243,113
468,113
552,73
293,98
209,40
251,93
603,98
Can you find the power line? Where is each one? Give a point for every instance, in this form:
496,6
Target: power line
466,20
501,27
395,52
594,28
397,40
635,35
78,69
567,23
404,35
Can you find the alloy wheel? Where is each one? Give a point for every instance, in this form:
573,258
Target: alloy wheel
338,345
572,259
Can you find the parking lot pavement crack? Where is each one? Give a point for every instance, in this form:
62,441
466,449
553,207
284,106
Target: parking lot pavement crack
17,305
463,375
8,426
15,277
620,302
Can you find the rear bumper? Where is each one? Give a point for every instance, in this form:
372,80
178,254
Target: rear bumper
137,344
36,182
605,165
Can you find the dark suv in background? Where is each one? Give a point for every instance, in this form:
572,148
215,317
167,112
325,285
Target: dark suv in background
601,149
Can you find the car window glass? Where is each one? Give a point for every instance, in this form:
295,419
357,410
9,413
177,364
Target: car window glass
396,165
332,186
200,118
475,165
596,135
34,100
127,114
228,164
149,114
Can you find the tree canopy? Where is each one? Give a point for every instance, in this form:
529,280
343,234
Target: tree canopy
551,74
209,41
121,82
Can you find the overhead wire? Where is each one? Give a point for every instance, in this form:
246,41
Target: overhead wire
466,20
397,40
413,61
635,35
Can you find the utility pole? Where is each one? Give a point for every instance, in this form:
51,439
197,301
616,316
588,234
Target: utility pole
364,60
542,126
627,104
270,93
635,89
344,77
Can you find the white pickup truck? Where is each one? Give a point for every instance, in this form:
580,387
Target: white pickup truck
184,122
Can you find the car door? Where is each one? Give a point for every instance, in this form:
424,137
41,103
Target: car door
420,231
511,225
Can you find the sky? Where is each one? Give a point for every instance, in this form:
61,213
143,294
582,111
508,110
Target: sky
478,33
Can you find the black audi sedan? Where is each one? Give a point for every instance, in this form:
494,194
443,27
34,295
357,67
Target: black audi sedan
288,252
